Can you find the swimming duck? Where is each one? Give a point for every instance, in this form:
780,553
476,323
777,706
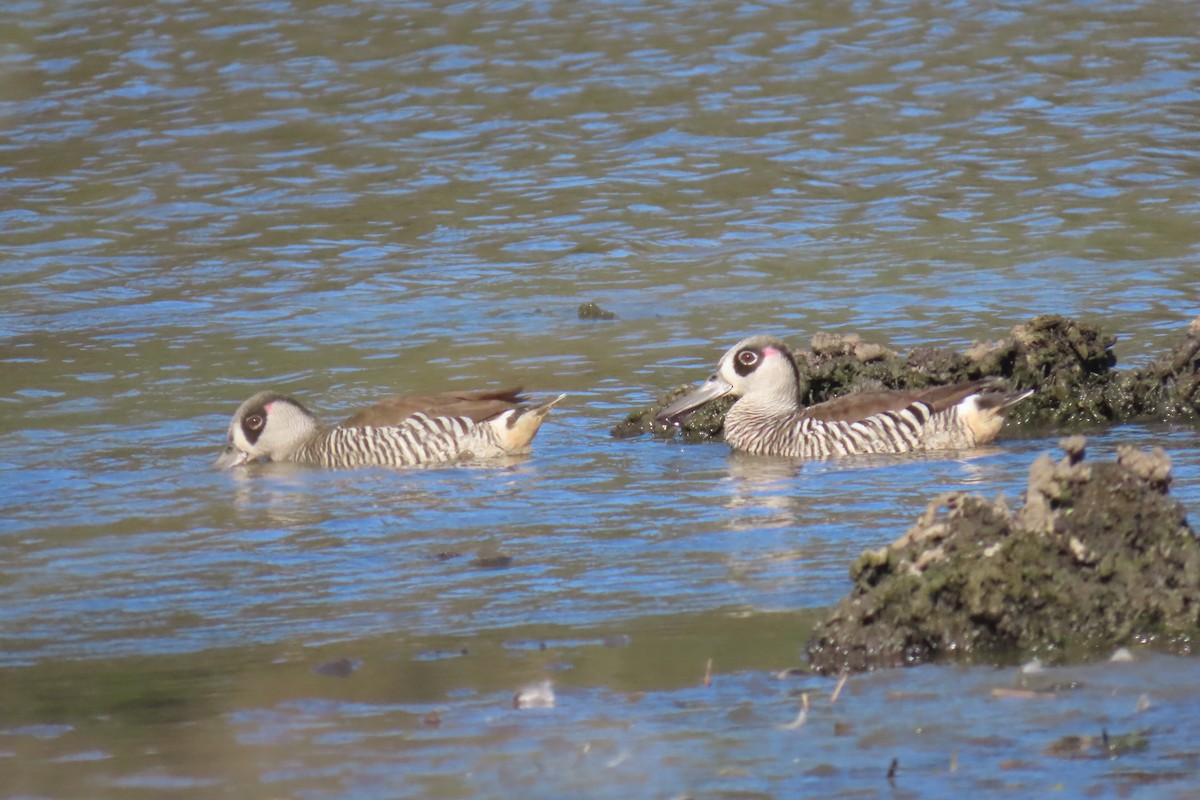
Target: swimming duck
397,432
768,419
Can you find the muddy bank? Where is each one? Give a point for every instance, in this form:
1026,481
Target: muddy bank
1099,555
1069,363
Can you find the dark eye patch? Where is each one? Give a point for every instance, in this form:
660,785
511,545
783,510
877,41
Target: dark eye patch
253,424
745,362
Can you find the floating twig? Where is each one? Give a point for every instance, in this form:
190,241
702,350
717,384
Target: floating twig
801,718
838,689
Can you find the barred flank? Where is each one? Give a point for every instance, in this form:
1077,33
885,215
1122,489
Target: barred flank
915,427
420,439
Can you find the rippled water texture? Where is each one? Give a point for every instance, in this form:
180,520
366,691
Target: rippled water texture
349,200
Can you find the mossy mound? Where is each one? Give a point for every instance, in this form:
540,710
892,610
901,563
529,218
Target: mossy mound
1069,363
1099,556
594,311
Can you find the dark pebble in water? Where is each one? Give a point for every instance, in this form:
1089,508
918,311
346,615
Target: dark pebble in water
339,668
594,311
492,562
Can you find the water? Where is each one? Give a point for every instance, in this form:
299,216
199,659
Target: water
345,201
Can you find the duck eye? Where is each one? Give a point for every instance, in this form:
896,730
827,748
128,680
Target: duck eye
255,422
747,358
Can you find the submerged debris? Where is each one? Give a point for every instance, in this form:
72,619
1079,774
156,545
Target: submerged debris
498,561
1106,745
594,311
338,668
1099,556
1069,363
801,717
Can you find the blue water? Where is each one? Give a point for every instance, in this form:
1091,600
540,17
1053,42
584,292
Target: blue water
348,201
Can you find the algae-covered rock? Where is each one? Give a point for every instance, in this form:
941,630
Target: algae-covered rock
1070,364
1169,388
1098,556
594,311
704,424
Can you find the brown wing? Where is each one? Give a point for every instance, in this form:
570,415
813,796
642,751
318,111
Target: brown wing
852,407
477,406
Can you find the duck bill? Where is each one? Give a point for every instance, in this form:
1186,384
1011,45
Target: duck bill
231,457
682,408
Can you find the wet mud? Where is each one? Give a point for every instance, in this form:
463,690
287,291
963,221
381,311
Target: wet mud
1098,556
1069,363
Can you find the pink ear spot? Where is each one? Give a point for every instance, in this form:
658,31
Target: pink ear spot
771,351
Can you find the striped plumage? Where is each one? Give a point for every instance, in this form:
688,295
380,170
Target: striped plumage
769,420
398,432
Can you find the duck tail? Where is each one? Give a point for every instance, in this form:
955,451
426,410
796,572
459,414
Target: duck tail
983,414
516,427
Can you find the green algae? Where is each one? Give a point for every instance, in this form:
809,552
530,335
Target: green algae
1099,556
